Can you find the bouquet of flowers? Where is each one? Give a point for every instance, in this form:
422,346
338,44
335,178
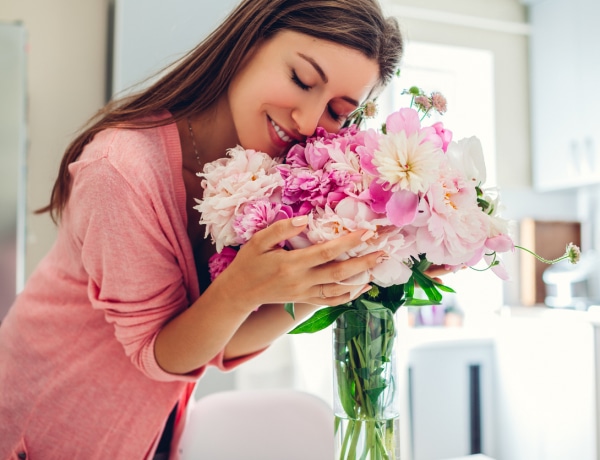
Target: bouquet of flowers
423,196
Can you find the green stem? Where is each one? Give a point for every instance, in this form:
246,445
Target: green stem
347,438
365,437
355,436
381,428
541,259
490,265
354,346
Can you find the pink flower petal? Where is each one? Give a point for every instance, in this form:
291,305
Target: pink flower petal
499,269
500,243
403,120
501,272
445,134
379,197
476,257
401,208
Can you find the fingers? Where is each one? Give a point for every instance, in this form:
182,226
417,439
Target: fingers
435,271
337,294
312,274
331,250
280,231
334,290
318,254
349,272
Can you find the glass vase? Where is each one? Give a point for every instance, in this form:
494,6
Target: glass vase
365,385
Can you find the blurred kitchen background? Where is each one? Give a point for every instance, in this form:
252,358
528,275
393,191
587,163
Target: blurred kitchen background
509,369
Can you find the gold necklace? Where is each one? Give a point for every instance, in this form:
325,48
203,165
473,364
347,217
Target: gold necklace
194,142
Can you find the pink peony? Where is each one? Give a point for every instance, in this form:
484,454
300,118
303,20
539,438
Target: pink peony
417,190
351,215
455,228
303,185
220,261
256,215
406,120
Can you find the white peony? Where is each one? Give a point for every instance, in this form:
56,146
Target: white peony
408,162
228,184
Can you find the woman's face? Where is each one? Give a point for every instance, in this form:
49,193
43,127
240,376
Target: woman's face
293,83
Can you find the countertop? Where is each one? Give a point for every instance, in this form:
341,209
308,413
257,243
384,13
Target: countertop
484,331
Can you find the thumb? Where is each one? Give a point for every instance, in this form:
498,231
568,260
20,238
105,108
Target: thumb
276,234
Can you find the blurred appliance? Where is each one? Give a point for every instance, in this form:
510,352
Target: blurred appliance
573,285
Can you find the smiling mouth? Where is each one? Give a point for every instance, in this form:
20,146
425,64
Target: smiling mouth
281,133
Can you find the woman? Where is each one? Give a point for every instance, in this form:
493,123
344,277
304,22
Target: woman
119,320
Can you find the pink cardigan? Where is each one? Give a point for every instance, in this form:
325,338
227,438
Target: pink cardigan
78,376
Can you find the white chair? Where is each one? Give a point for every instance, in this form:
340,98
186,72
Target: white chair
275,424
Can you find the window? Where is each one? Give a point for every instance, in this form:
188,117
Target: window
465,76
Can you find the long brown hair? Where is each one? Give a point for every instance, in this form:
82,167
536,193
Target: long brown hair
198,79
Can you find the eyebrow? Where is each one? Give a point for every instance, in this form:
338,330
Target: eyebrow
323,76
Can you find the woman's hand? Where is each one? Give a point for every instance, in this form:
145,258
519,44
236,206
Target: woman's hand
262,273
265,273
435,271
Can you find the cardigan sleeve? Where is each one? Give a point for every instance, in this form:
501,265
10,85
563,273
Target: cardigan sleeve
125,226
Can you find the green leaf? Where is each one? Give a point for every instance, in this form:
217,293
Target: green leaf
393,306
421,265
374,394
363,372
428,285
416,302
346,390
375,348
443,287
409,287
369,305
346,334
289,307
320,320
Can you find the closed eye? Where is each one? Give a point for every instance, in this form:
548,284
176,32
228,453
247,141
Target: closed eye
299,82
334,115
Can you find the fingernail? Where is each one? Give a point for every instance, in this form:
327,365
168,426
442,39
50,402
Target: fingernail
367,235
382,258
299,221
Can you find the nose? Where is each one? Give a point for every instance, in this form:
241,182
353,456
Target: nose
306,117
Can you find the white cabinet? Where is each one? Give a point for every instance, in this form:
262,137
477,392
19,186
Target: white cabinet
565,71
525,390
546,396
451,383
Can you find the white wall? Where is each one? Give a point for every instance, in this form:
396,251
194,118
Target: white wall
65,86
146,43
12,158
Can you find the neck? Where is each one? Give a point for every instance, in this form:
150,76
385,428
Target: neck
213,133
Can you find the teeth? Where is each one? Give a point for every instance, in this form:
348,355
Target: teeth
282,135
